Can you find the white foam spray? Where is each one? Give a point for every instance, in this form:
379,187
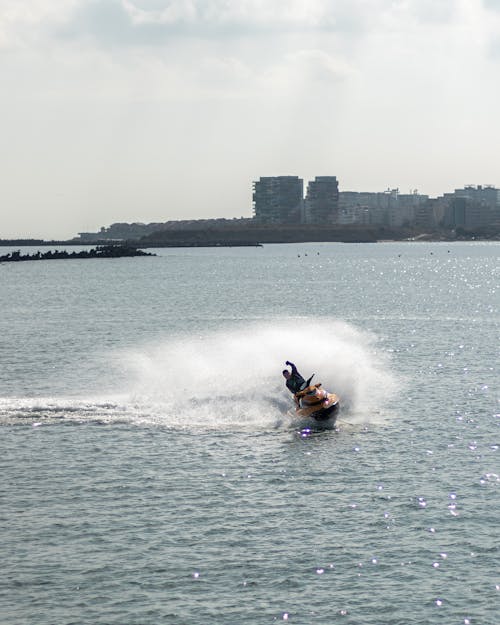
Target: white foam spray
232,379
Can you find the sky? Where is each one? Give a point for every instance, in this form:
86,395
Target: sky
152,110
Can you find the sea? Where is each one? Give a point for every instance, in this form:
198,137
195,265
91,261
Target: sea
151,470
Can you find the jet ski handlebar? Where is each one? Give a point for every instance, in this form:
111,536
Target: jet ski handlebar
307,382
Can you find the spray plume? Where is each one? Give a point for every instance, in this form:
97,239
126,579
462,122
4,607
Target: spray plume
232,378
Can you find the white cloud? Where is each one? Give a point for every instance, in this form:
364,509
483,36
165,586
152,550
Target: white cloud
313,66
146,22
129,22
24,24
122,22
493,28
492,4
159,12
158,22
429,11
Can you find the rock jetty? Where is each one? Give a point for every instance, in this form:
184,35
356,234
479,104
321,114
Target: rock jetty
102,251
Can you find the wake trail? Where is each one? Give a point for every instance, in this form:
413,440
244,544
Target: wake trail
230,380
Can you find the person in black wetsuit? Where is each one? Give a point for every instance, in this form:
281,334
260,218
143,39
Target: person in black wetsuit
294,381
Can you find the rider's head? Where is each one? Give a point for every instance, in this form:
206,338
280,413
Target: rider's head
286,373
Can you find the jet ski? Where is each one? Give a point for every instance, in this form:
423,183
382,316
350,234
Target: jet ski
314,402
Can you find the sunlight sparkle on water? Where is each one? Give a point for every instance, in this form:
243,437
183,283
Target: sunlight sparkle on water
490,477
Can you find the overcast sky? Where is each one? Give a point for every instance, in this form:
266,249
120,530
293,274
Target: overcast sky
150,110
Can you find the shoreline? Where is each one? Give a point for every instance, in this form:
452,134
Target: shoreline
139,244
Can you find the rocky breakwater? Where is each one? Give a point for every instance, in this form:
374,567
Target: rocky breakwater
102,251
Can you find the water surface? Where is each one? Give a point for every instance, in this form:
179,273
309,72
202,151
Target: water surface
150,474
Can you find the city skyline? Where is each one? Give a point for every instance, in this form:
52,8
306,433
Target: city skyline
148,110
344,196
280,202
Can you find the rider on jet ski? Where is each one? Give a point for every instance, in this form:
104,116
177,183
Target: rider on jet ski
294,381
310,401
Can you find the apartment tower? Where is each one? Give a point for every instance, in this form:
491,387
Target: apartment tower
322,200
278,199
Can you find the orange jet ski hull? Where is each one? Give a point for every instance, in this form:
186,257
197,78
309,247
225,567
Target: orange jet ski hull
316,403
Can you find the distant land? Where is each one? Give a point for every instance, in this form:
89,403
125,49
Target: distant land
210,233
259,234
283,215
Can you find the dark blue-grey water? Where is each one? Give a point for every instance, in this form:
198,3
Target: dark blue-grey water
150,474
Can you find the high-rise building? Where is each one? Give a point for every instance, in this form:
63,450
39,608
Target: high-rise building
487,195
371,208
471,207
278,199
404,211
322,200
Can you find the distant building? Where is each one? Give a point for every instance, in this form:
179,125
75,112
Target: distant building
383,208
278,199
426,215
134,231
322,200
120,232
471,207
374,208
488,194
408,208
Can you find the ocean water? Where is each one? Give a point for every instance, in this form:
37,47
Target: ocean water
151,475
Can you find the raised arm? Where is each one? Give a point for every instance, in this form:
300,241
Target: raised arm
294,368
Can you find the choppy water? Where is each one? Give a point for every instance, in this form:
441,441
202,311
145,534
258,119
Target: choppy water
150,474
